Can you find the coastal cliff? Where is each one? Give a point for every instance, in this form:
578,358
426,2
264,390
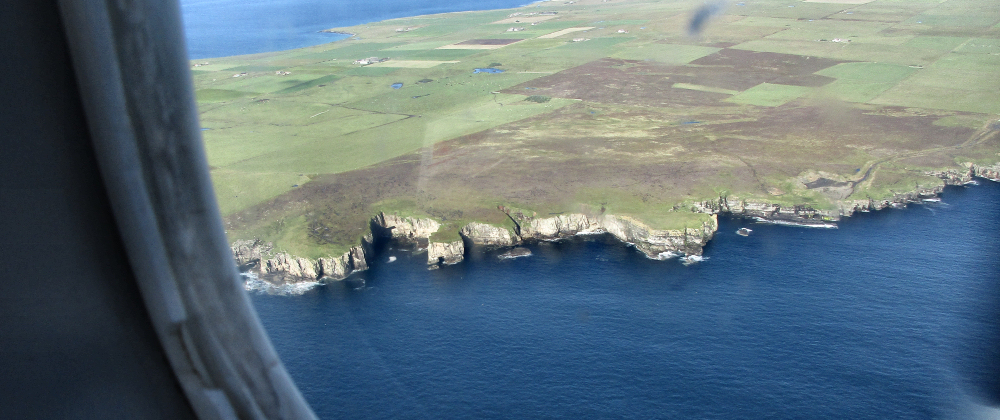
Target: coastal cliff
278,268
445,252
807,216
258,257
406,229
489,236
417,231
660,244
956,177
555,227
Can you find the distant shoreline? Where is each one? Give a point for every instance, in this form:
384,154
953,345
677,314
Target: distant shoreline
209,35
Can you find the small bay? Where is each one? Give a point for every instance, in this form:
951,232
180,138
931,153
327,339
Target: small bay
218,28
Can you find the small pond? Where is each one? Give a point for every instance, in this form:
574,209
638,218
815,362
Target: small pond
487,70
397,85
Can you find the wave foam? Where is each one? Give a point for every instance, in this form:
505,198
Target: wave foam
666,255
253,283
692,259
796,224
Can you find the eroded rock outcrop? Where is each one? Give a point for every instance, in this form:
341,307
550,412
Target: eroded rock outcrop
417,231
445,252
801,214
488,235
560,226
282,268
660,244
248,253
958,177
403,228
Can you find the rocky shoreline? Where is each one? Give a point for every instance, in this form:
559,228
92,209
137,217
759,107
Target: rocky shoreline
280,268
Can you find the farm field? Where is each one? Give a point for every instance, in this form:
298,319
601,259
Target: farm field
578,106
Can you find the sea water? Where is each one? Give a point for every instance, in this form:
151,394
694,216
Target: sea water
892,315
218,28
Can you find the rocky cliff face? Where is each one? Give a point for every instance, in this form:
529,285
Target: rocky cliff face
660,244
956,177
403,228
488,235
556,227
248,253
282,268
803,215
445,253
417,231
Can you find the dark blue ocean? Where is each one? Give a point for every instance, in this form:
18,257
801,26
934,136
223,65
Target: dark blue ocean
892,316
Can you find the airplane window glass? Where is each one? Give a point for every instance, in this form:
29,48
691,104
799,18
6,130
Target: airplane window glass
613,208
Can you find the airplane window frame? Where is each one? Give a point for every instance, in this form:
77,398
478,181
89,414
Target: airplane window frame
130,62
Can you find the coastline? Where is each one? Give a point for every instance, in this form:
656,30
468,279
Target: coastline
278,272
202,21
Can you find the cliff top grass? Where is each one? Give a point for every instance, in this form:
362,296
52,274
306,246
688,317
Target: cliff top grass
642,119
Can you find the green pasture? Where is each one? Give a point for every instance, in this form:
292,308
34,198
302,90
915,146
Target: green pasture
624,22
353,50
553,55
273,83
792,9
231,146
704,88
855,51
542,28
765,21
218,95
236,191
766,94
868,72
486,114
980,46
369,71
957,79
290,233
442,96
433,55
854,90
922,96
889,179
415,46
332,148
654,213
347,89
941,43
212,67
984,63
973,121
980,20
663,53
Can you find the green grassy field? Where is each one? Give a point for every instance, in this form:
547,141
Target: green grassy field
642,119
